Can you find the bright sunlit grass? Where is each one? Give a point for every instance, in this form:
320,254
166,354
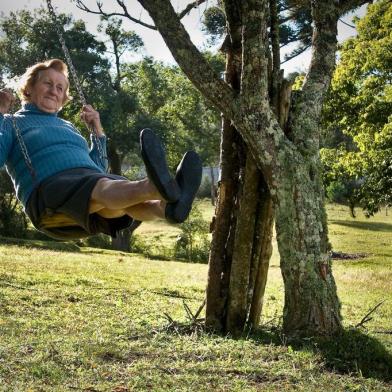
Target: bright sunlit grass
97,320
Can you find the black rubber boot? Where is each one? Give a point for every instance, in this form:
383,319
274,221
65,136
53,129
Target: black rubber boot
188,177
154,158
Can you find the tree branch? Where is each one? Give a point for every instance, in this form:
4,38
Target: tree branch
295,53
274,32
367,317
350,5
324,43
189,8
306,109
192,62
80,4
347,24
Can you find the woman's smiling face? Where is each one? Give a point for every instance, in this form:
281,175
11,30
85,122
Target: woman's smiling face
48,92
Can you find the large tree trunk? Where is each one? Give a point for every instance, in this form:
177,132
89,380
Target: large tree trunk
311,304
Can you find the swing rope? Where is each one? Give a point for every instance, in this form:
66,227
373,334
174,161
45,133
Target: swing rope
73,72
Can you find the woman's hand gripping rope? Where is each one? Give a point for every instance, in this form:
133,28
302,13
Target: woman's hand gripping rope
91,117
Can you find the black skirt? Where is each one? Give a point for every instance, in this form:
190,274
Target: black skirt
69,193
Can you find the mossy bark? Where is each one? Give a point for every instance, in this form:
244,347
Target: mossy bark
311,304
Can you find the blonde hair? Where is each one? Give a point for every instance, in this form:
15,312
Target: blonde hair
32,74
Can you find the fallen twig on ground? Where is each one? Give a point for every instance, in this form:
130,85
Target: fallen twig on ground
367,317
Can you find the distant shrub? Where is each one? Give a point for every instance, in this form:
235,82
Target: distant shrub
13,221
98,241
135,173
344,192
193,243
152,249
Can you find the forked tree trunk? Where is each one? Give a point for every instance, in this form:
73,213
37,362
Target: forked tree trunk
222,237
241,244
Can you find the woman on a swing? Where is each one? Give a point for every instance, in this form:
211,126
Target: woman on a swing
57,176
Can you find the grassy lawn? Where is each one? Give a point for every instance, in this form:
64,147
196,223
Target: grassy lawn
84,319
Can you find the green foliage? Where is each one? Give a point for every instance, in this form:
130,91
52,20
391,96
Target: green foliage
13,222
120,39
30,37
171,105
357,114
295,25
298,81
214,22
192,243
339,176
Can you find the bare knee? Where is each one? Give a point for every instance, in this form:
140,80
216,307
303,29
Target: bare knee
99,198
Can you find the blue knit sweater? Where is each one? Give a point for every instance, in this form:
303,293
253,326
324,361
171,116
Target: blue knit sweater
53,145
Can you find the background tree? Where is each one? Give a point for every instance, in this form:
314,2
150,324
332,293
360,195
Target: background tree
357,114
171,104
123,135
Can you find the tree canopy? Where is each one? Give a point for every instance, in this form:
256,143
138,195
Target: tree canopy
358,113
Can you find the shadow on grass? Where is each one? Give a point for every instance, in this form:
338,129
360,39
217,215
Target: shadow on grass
352,351
373,226
58,246
39,244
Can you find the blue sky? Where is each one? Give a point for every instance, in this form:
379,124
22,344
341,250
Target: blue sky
154,45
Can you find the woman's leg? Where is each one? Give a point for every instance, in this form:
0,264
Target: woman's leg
147,211
119,195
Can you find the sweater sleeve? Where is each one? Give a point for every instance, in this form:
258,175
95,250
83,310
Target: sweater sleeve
101,161
5,141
